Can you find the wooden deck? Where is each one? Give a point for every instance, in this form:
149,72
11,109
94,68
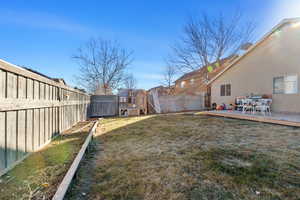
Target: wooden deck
281,120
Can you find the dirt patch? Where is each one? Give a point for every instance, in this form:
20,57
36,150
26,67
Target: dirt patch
194,157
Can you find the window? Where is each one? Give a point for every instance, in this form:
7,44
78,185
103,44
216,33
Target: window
291,84
222,90
278,85
123,99
228,90
225,90
285,85
182,84
192,81
133,100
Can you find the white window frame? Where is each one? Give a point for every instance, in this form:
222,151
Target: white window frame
123,99
290,84
182,84
280,90
192,81
291,80
225,90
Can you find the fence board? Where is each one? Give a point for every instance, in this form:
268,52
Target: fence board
21,134
2,84
51,122
36,129
42,91
11,135
55,120
29,131
11,85
42,127
2,140
46,92
22,87
29,88
46,130
36,89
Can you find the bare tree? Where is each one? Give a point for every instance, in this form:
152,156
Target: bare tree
207,40
130,82
169,75
102,63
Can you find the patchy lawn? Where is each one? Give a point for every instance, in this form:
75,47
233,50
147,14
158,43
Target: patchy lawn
38,176
191,157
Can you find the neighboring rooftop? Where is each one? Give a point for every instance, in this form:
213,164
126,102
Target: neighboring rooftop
59,80
203,70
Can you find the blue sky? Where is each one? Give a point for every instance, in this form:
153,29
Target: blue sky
45,34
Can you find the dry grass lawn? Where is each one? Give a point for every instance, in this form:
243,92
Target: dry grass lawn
191,157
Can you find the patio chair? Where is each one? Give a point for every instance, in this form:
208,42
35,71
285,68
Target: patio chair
263,107
247,105
266,109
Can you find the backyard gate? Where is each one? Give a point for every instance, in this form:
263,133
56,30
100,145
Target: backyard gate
104,105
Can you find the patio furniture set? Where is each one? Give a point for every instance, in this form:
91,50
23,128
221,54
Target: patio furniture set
254,104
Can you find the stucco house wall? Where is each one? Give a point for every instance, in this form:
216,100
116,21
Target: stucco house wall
277,55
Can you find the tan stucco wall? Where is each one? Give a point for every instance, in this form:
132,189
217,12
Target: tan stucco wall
279,55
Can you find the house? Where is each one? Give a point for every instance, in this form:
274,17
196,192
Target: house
196,82
270,67
60,80
132,102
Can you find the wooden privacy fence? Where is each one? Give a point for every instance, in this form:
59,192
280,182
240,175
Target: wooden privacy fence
104,105
178,103
34,109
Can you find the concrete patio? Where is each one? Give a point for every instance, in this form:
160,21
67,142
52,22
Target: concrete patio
274,118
